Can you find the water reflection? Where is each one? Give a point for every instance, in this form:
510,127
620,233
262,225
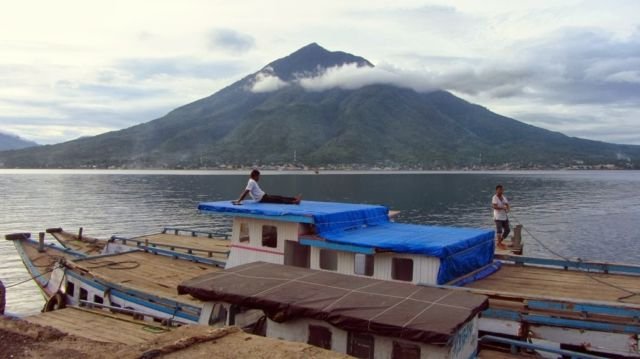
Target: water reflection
579,214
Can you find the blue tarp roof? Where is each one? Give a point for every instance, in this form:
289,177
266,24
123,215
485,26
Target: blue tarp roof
325,215
412,238
461,250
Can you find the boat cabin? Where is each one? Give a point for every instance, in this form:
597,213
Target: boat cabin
354,239
358,316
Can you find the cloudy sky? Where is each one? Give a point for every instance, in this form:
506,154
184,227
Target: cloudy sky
80,68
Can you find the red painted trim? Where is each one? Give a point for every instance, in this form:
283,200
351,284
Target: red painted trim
256,249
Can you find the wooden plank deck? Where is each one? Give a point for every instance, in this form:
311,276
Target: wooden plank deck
87,245
559,283
99,325
153,274
219,248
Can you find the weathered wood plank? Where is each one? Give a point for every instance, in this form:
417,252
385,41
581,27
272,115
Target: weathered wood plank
98,325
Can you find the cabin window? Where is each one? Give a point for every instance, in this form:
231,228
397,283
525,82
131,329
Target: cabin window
83,294
98,299
70,289
218,315
319,336
402,269
405,351
244,232
328,259
363,264
269,236
360,345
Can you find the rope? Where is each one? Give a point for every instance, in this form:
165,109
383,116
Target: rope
33,277
52,260
586,273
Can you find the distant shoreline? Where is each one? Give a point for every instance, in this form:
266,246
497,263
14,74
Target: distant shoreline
244,171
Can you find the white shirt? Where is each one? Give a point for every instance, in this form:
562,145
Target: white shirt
500,214
254,190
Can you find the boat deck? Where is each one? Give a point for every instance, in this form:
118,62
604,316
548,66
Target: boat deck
43,261
558,283
215,248
99,325
146,272
87,245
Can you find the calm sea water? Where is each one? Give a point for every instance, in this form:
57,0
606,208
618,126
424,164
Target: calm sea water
591,215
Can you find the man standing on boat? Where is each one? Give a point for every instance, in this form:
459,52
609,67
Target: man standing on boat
258,194
500,206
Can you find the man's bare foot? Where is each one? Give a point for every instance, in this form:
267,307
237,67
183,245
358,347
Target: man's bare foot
298,199
501,245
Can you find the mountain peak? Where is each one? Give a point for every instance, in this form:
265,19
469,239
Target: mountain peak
311,59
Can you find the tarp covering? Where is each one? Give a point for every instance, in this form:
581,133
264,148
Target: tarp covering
326,216
461,250
393,309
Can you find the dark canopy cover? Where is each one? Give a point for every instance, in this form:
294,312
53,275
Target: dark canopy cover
401,310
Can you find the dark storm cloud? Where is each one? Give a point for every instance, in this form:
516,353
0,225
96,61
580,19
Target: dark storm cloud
231,40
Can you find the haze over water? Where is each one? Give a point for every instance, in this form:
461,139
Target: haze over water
591,215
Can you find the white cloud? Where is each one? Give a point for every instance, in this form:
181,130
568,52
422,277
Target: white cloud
112,65
267,82
351,76
625,76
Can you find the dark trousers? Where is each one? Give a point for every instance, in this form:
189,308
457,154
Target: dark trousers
503,227
267,198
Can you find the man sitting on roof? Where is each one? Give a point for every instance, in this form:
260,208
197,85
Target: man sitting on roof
258,194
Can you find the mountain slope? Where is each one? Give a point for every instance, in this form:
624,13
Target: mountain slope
372,125
10,142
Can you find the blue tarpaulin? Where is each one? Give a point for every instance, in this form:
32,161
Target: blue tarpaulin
325,215
461,250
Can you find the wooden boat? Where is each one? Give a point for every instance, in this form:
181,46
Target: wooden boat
358,316
585,306
138,282
41,259
77,242
531,299
100,325
85,332
569,304
196,245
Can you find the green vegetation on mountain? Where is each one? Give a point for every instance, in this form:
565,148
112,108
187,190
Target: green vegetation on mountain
376,125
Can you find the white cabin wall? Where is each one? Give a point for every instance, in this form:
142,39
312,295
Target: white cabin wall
253,251
428,272
346,263
465,343
382,266
298,331
383,348
425,268
314,262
